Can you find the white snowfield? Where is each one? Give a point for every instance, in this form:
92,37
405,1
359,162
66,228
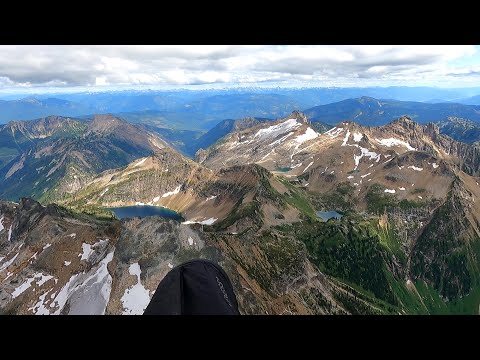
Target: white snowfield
395,142
282,139
170,193
309,134
8,263
334,132
390,191
87,293
365,153
27,283
204,222
345,139
86,251
306,168
357,137
415,168
136,298
275,130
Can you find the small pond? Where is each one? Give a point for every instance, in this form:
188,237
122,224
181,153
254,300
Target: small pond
325,215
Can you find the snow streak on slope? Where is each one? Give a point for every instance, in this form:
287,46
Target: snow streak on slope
395,142
136,298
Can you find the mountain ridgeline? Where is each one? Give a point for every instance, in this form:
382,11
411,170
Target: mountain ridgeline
249,202
374,112
56,156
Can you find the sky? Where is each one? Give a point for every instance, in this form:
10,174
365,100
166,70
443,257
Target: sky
97,67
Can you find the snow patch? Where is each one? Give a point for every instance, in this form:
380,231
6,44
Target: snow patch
170,193
72,235
67,263
275,130
395,142
27,283
350,177
39,308
401,188
211,198
365,152
419,197
136,298
283,138
46,246
390,191
415,168
204,222
309,134
103,192
43,279
22,288
139,203
10,233
364,176
87,293
1,224
307,167
357,137
190,241
435,165
170,265
334,132
86,251
345,139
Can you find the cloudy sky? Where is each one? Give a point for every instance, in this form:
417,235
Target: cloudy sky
74,67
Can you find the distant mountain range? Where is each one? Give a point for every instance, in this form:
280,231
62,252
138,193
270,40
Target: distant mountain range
202,110
373,112
33,108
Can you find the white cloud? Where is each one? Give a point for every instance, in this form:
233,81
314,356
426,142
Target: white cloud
23,66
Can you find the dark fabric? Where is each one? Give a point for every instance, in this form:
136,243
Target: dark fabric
197,287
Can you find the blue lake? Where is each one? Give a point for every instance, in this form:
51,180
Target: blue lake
145,210
325,215
284,169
